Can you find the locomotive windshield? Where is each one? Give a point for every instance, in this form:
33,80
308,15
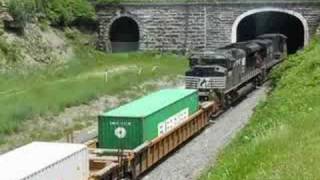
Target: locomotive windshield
208,71
207,61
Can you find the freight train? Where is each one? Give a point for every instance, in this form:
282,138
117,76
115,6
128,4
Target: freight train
135,137
223,74
165,120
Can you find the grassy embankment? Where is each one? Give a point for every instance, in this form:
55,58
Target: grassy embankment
282,140
51,90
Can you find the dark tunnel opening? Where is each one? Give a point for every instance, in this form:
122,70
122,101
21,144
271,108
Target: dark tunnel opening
273,22
124,35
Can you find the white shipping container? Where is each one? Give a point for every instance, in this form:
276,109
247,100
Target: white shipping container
46,161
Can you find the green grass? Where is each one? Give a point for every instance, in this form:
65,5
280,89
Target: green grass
282,140
39,92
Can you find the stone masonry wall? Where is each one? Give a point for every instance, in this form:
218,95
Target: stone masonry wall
221,19
185,27
169,28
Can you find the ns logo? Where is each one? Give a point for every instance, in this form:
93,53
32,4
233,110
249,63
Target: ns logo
203,83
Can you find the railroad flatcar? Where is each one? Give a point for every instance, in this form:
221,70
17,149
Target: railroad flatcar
223,74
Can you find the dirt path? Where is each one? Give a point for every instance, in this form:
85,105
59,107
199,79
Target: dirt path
201,152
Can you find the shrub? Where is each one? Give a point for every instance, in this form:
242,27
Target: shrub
58,12
22,12
11,51
64,12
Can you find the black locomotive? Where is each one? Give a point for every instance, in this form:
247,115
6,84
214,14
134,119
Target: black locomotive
223,73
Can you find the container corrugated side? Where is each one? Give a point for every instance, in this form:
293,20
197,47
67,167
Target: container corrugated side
169,117
128,133
40,161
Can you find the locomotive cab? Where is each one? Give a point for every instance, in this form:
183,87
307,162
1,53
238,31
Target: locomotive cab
267,49
210,71
279,44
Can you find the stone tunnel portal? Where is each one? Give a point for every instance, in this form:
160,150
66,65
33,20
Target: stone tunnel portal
273,22
124,35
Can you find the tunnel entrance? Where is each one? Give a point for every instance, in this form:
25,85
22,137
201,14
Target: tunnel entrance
273,22
124,35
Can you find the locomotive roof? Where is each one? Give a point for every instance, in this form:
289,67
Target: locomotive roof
263,42
253,47
273,35
248,46
237,53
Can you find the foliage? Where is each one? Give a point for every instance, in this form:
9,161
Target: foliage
10,51
64,12
282,139
58,12
22,11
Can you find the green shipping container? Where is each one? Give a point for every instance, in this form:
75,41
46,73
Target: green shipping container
147,118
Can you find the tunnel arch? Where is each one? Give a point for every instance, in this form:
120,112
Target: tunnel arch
255,12
124,34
